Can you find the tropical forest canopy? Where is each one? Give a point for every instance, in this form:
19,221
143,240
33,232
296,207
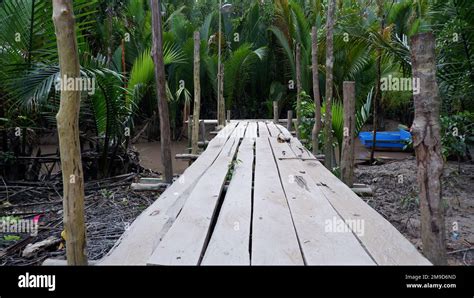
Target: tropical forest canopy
258,41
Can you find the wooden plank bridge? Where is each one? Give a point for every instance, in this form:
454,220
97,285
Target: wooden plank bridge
256,196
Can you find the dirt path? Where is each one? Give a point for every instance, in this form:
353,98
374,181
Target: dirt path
396,198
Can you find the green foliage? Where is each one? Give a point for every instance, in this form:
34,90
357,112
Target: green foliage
11,237
114,41
307,120
457,135
453,26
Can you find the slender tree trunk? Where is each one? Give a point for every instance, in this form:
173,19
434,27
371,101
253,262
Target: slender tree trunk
328,150
317,98
298,89
109,34
157,54
347,157
68,131
197,92
376,106
377,98
427,144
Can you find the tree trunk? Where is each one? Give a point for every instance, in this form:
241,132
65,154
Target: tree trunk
317,98
197,92
347,158
378,92
109,34
68,131
298,89
427,144
157,54
328,150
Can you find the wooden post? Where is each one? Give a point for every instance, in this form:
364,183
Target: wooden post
275,111
197,93
298,89
160,77
221,102
68,131
228,116
427,143
202,127
347,160
190,133
317,97
289,121
328,149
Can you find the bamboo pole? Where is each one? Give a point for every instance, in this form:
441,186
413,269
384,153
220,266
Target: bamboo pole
68,131
347,157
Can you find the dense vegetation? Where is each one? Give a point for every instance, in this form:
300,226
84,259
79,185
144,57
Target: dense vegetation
259,40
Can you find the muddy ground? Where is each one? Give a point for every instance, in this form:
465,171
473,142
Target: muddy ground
396,198
111,206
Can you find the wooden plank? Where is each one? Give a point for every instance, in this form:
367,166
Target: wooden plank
227,130
274,131
274,240
263,130
206,121
299,149
185,241
229,244
284,131
315,220
382,240
186,156
138,242
251,131
239,132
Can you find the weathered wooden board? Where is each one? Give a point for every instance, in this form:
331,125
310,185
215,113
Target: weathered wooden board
239,131
274,240
284,131
136,245
382,240
229,244
263,130
385,244
274,131
251,130
324,237
185,241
